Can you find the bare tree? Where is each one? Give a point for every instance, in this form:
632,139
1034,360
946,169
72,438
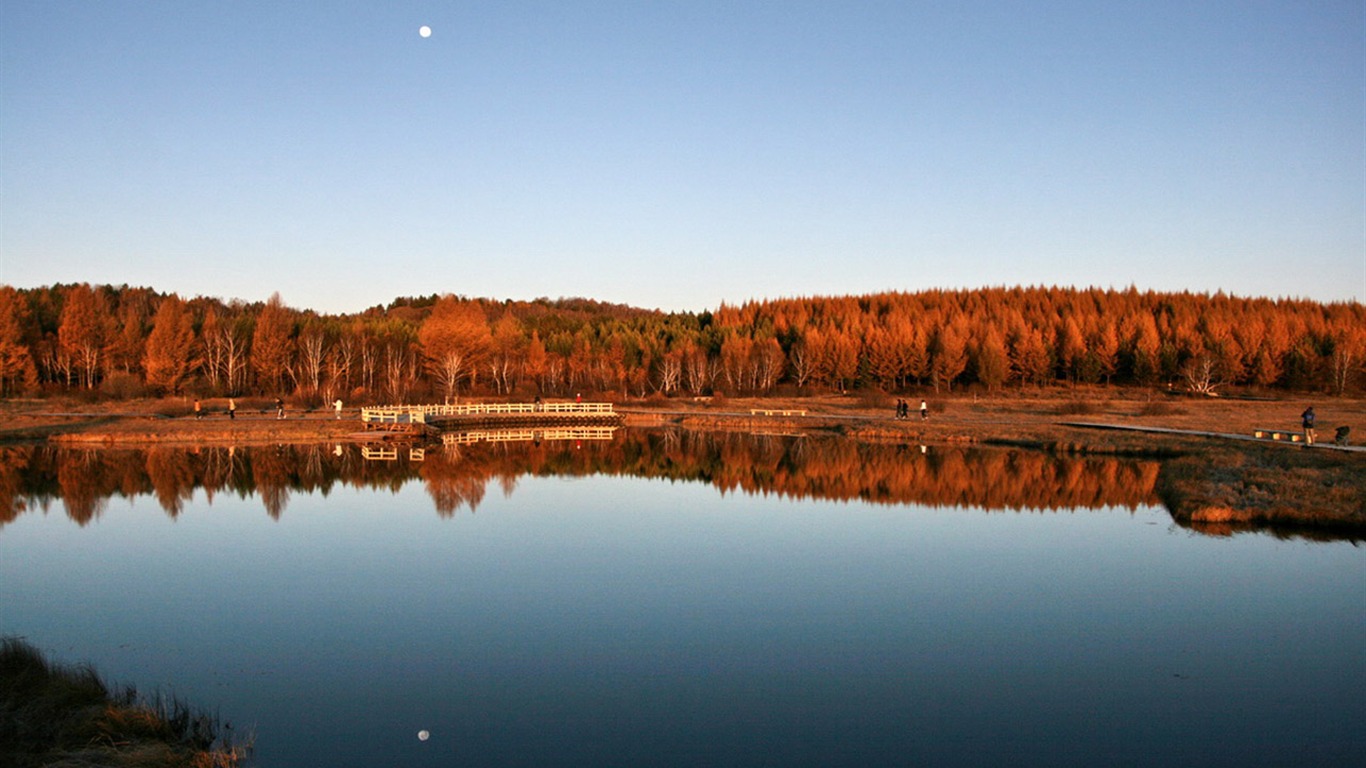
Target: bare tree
1202,374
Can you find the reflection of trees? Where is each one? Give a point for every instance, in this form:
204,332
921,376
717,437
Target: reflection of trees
453,481
270,470
78,476
809,467
818,468
172,476
14,464
85,478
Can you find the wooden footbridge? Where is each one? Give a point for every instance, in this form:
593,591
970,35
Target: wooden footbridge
446,418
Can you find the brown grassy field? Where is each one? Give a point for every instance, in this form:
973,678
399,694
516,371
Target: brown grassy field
1206,480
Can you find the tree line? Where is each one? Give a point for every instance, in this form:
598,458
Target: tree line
125,341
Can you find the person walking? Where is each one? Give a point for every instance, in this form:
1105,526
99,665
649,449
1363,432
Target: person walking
279,408
232,408
337,406
1307,420
198,412
924,410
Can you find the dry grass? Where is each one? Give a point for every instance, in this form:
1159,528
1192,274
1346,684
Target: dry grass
1260,485
67,717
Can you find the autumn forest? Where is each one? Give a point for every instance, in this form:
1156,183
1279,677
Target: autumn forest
121,342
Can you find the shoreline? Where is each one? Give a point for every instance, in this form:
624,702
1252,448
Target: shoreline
1215,472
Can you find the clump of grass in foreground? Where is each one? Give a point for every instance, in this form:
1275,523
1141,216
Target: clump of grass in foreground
64,717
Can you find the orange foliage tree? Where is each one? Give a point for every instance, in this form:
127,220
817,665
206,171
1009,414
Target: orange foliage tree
170,345
454,340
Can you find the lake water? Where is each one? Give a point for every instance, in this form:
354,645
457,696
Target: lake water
676,598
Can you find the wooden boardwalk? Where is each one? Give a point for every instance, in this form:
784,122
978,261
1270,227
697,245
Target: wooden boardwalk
442,418
1260,436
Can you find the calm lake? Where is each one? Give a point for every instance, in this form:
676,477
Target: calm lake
681,598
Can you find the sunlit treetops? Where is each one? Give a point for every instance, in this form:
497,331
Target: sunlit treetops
125,341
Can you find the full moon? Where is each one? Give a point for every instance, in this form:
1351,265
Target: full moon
424,30
423,735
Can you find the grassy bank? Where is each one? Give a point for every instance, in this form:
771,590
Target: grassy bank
67,717
1223,490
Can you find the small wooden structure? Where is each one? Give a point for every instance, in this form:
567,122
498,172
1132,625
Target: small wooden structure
1291,435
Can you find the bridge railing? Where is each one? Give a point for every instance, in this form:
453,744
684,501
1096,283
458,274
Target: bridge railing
417,414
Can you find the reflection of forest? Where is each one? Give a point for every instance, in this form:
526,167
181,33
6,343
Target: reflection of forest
810,467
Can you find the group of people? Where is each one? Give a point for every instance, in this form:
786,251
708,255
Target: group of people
232,409
279,408
903,409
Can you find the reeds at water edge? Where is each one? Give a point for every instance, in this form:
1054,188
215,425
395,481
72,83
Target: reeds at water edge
65,716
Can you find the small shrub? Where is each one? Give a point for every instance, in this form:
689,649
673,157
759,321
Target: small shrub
874,398
1160,408
1077,408
122,386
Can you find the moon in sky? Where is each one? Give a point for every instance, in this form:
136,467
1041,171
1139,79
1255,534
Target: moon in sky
423,735
424,30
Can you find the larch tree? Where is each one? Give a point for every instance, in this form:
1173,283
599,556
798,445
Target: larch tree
17,371
170,346
948,354
126,340
454,338
991,359
842,352
1029,356
270,345
536,365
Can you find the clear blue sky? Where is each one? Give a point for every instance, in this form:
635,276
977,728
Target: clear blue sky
682,154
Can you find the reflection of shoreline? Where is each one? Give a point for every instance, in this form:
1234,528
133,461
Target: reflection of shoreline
457,475
809,467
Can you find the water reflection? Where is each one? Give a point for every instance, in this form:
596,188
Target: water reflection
458,473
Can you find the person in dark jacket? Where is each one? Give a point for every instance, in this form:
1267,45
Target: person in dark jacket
1307,419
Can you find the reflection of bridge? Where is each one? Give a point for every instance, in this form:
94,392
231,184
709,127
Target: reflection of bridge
443,417
390,452
527,435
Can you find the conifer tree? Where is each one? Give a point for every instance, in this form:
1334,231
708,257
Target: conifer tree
170,346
